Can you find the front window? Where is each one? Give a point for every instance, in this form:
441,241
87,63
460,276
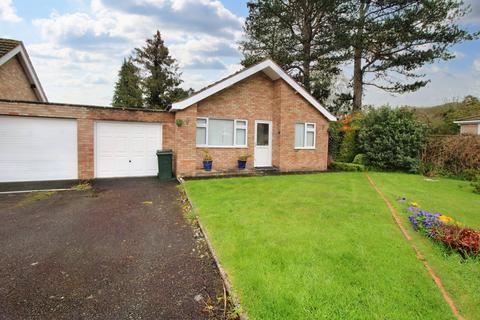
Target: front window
305,135
221,133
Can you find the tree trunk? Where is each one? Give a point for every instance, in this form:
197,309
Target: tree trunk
357,58
306,75
357,81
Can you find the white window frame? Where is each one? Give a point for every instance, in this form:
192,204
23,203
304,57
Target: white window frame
305,130
206,131
235,127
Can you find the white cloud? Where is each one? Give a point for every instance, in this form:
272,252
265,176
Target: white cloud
7,12
476,64
444,87
77,47
459,54
474,16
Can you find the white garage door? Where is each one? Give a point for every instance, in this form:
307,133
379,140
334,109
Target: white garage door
37,149
126,149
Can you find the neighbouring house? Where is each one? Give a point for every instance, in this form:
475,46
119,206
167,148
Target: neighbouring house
469,125
18,80
259,111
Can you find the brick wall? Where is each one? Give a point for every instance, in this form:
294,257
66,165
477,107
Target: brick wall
14,83
470,129
295,109
185,156
255,98
86,117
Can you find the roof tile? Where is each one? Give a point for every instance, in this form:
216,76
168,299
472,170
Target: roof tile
7,45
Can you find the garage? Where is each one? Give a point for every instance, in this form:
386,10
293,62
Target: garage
37,149
126,149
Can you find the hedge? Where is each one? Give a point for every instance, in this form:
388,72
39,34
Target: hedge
452,155
345,166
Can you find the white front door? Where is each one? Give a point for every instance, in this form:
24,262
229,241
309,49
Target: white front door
263,144
126,149
37,149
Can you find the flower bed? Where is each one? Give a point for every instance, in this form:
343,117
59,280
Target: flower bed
445,230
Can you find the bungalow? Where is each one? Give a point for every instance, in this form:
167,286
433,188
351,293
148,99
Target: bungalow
260,111
469,125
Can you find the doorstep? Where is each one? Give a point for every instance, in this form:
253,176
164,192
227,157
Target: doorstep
202,174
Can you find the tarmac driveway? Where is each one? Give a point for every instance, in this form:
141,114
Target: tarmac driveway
122,250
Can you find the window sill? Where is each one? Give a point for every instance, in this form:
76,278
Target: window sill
222,147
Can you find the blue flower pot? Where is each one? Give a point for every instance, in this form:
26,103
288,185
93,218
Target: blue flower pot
207,165
242,164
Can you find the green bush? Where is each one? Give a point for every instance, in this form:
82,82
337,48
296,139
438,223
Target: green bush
392,139
349,146
335,137
471,174
476,186
345,166
359,159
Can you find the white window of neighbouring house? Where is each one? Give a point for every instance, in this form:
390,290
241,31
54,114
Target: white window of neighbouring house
222,133
305,135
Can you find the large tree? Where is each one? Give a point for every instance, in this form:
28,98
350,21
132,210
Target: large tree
389,40
127,89
161,78
297,34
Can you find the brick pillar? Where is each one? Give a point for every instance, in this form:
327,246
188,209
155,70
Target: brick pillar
85,149
185,144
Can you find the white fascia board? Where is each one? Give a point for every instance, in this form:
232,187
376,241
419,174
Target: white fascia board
267,64
28,67
467,121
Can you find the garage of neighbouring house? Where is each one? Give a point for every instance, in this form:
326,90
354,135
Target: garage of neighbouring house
37,149
42,141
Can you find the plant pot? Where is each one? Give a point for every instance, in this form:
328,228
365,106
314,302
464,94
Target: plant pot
242,164
207,165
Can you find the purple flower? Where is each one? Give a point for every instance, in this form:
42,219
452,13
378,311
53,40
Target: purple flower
424,221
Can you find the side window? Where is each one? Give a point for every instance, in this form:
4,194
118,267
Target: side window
305,135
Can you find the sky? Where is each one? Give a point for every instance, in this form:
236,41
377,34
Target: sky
77,46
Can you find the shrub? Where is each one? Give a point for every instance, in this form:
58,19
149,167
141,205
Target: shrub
392,139
359,159
343,137
335,137
453,155
427,169
476,186
471,174
344,166
349,146
465,241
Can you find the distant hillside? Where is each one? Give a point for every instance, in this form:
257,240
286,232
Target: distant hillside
440,118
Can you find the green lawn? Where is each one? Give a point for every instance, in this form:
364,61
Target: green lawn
324,246
453,198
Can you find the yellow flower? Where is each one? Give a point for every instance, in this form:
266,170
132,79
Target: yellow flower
414,204
445,219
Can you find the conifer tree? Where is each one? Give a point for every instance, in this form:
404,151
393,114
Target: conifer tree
127,89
